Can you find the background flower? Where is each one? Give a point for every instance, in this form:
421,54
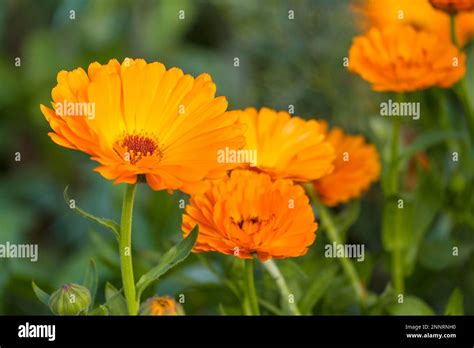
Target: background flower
356,167
417,13
248,213
400,58
286,147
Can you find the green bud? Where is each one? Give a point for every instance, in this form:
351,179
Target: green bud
164,305
70,299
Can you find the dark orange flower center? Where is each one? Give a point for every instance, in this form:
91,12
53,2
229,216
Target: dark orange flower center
134,147
162,306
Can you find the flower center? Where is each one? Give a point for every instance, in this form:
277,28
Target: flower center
134,147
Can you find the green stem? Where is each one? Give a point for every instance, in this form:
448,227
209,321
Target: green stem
250,287
274,271
454,38
125,245
334,237
468,110
394,151
397,260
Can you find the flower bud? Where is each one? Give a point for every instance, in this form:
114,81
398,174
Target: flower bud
70,299
164,305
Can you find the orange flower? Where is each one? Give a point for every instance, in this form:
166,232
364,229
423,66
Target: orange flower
399,58
286,147
159,306
137,119
248,213
453,6
417,13
357,166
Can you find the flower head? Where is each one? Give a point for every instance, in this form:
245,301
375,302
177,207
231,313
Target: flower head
139,118
248,214
400,58
286,147
453,6
356,167
160,306
417,13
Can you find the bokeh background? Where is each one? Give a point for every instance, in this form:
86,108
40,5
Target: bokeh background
282,62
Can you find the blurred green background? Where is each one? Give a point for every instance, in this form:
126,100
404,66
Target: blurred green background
283,62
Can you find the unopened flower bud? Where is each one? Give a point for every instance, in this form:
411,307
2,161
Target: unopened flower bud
70,299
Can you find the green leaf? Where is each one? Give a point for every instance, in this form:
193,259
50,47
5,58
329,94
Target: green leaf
427,203
170,259
110,224
42,296
104,249
270,307
316,289
345,219
426,140
439,254
222,310
411,306
377,303
91,280
455,304
114,301
99,311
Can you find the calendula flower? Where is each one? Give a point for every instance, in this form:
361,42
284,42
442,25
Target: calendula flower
453,6
159,306
417,13
356,167
249,214
140,119
400,58
285,146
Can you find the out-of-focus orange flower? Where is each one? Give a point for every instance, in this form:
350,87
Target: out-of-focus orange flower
453,6
286,147
136,119
400,58
159,306
356,167
248,214
417,13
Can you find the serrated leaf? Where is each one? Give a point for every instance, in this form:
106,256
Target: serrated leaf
110,224
455,305
115,301
170,259
91,280
411,306
40,294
